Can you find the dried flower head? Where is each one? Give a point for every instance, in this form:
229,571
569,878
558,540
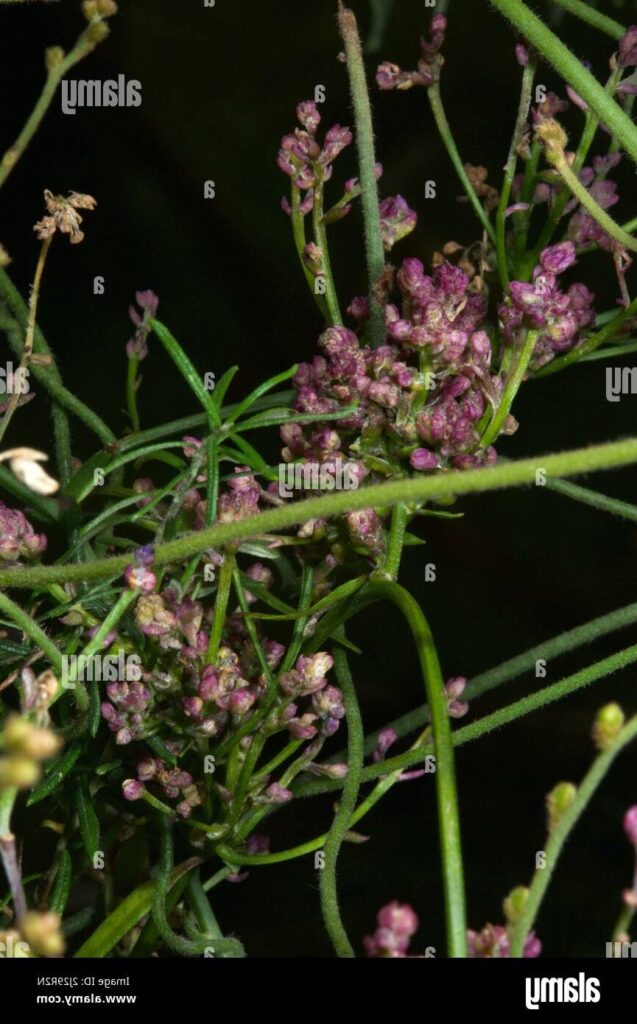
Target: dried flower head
64,216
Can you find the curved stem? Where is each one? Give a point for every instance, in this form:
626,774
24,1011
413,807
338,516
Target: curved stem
438,110
367,171
347,804
604,220
27,350
448,812
560,834
84,45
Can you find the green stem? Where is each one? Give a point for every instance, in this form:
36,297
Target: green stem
448,813
224,585
320,235
599,501
588,202
367,171
396,542
516,376
131,393
560,833
84,45
509,670
298,232
438,110
385,495
48,376
347,804
571,69
586,13
488,724
528,77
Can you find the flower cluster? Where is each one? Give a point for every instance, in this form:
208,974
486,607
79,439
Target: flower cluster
395,924
420,397
18,539
390,76
148,302
493,942
304,159
559,316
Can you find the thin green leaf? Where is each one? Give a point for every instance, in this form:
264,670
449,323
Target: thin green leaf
128,914
188,372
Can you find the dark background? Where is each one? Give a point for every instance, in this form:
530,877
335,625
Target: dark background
219,89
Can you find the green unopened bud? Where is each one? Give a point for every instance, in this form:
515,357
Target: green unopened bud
89,9
608,725
98,31
558,802
42,932
514,903
53,57
18,772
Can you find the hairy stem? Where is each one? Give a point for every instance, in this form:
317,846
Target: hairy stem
385,495
561,832
347,804
367,164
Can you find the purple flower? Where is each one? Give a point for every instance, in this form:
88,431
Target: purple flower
493,942
132,789
18,539
139,578
628,48
397,220
422,459
390,76
137,347
396,923
630,823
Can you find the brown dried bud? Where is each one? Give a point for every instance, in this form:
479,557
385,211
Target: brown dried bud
106,8
553,137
